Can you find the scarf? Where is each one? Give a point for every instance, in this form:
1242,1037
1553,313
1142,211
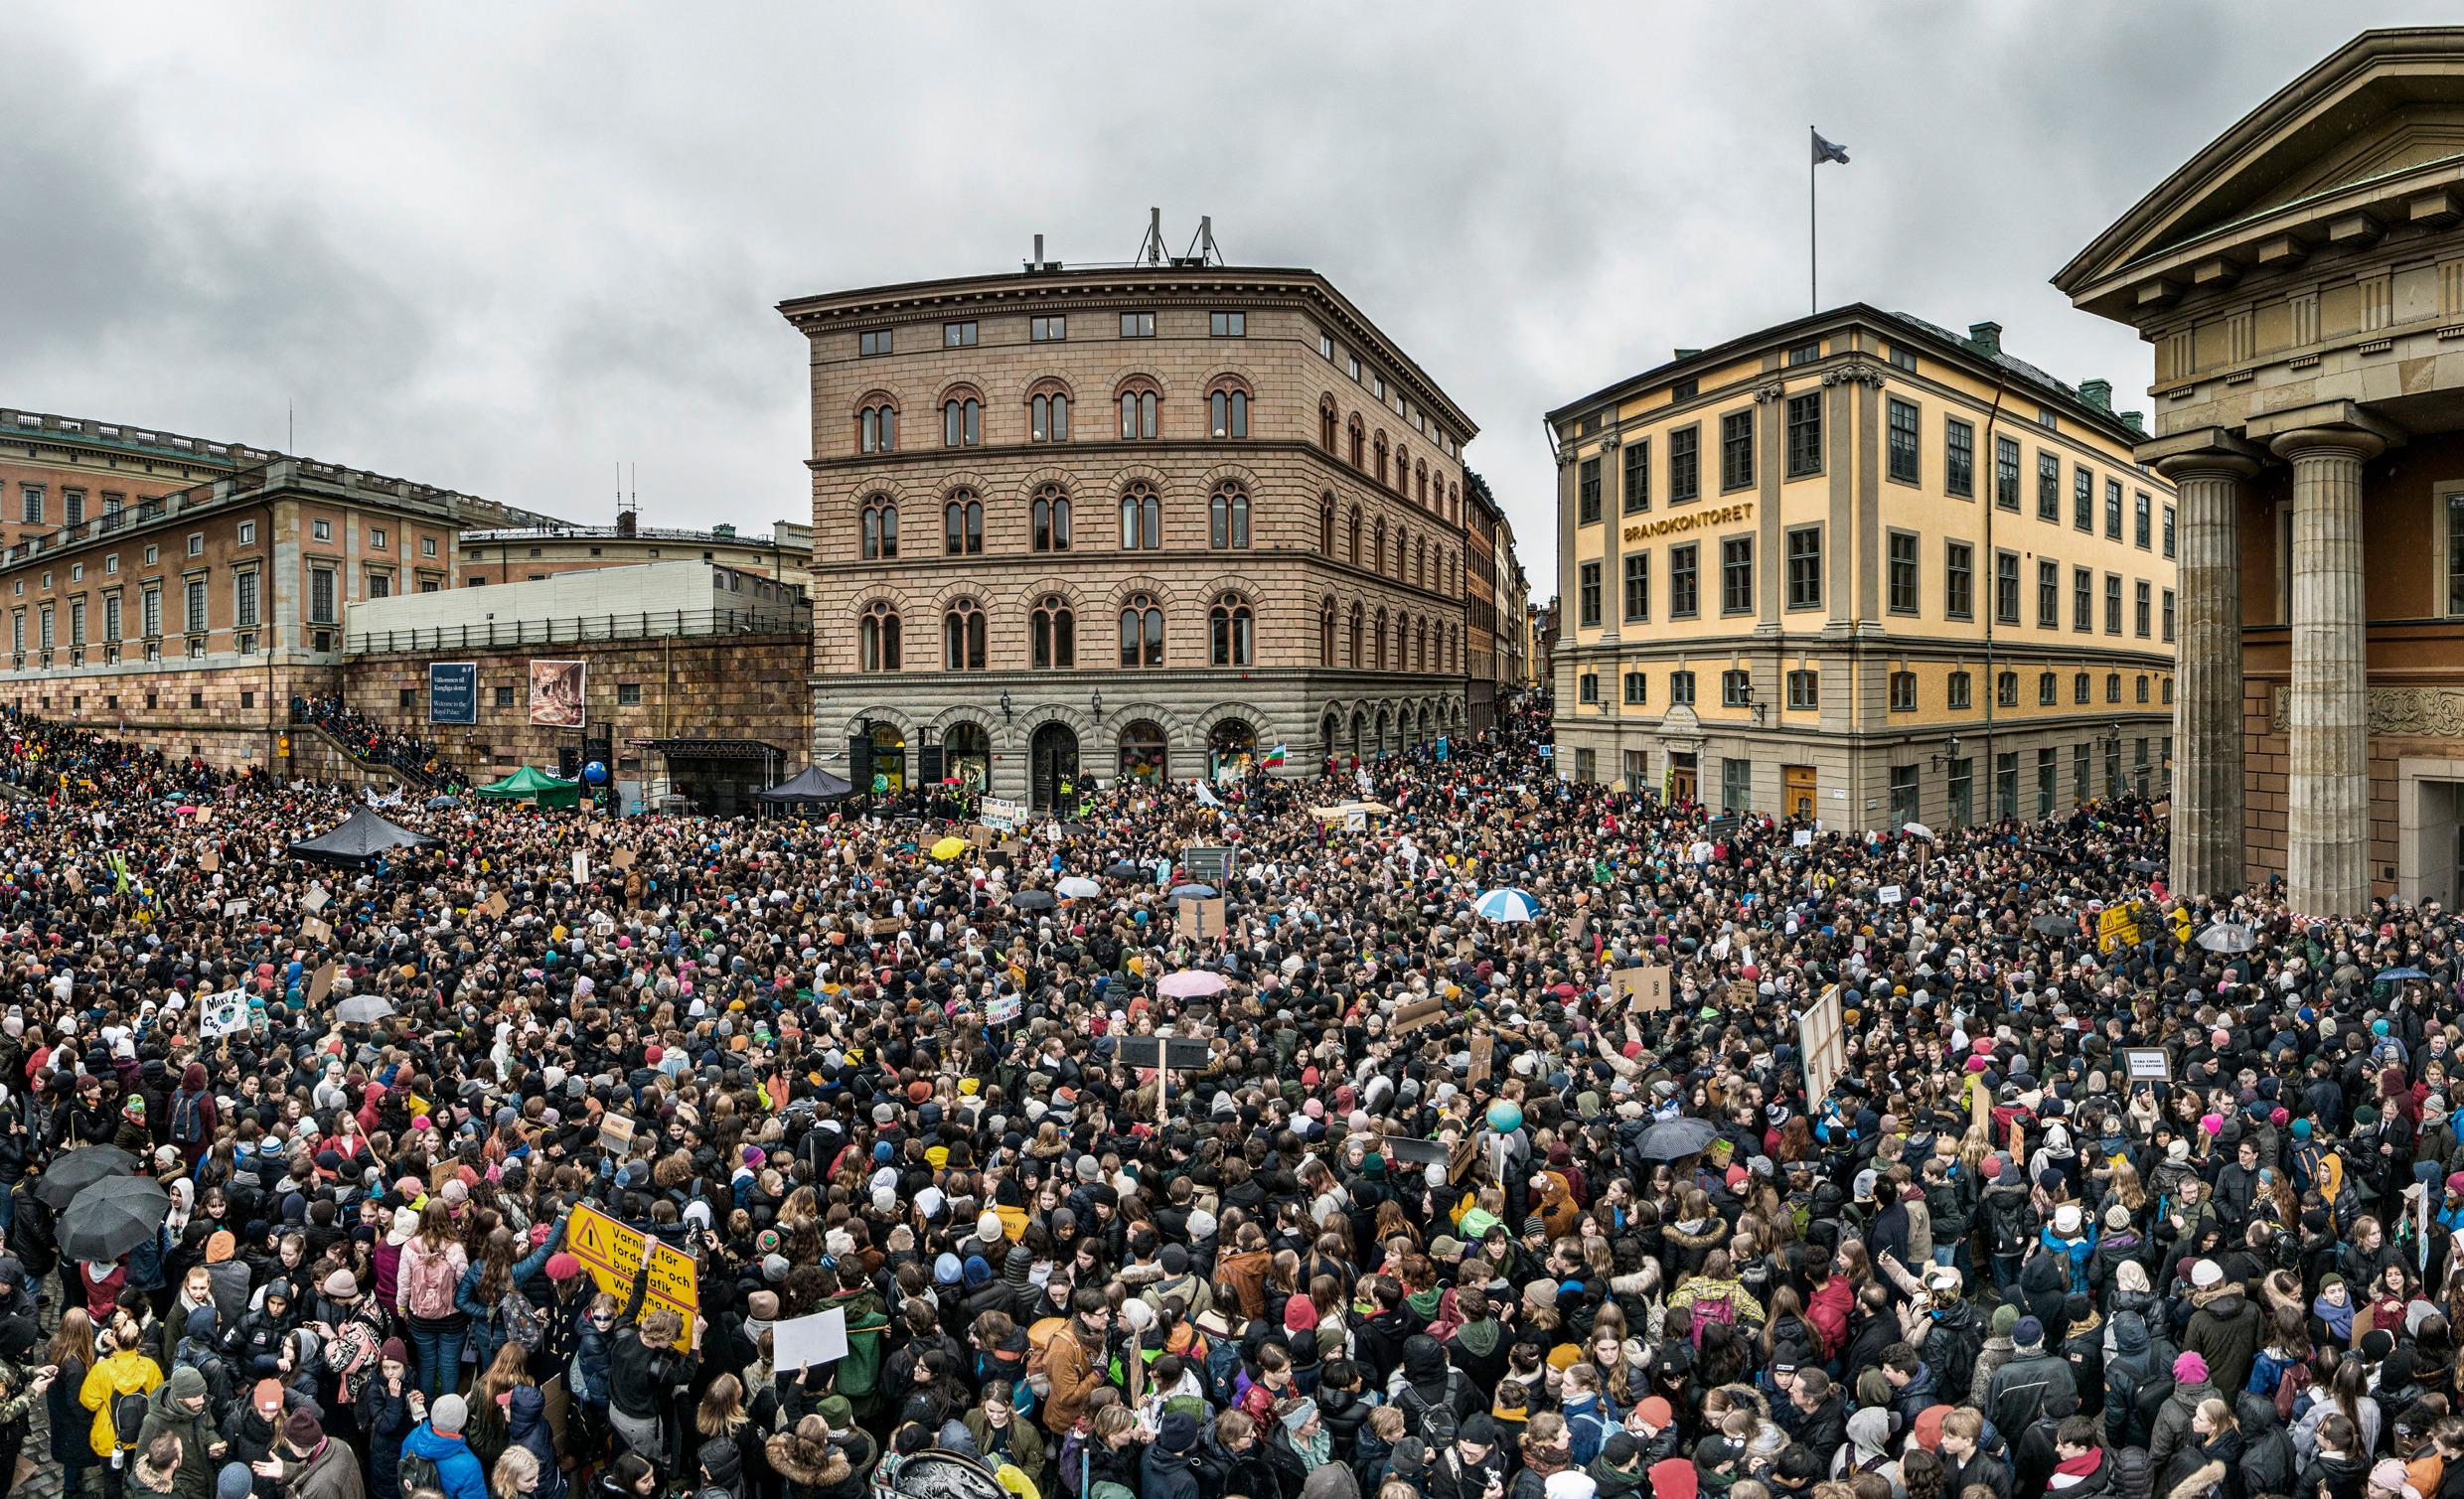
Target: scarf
1315,1451
2338,1319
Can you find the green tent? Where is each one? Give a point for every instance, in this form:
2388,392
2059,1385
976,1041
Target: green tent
539,786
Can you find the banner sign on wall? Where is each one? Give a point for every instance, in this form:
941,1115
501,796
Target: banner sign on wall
556,692
453,692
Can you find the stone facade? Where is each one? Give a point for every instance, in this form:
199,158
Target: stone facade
1304,548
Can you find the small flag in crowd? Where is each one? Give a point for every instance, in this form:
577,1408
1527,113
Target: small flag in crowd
1273,757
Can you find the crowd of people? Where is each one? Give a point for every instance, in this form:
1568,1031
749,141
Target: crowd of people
1448,1210
377,742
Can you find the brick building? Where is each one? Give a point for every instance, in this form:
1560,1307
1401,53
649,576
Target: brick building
528,553
1143,520
1482,527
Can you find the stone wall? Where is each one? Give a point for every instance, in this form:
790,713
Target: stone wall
682,686
229,712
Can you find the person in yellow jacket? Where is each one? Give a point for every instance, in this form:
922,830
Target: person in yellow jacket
121,1367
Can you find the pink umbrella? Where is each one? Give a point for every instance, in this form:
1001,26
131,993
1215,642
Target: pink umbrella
1191,983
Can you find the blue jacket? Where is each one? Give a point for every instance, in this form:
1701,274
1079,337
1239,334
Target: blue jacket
457,1466
487,1330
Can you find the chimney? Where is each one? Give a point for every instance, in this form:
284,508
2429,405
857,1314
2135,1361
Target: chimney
2097,393
624,523
2136,421
1687,354
1986,339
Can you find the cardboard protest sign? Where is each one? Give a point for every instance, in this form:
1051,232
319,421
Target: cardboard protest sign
1417,1014
497,905
616,1132
612,1254
622,858
323,984
223,1015
316,931
210,861
1644,988
1483,1054
801,1342
1200,918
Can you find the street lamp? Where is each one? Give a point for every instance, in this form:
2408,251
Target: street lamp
1005,705
1098,704
1948,752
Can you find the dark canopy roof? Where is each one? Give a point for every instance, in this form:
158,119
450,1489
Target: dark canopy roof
812,783
362,838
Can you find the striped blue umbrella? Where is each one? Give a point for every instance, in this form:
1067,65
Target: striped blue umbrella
1506,904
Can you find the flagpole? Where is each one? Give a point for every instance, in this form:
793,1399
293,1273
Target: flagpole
1814,216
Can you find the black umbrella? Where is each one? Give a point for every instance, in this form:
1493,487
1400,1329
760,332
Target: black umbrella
2049,925
1032,900
2144,866
1123,869
1674,1139
113,1215
74,1170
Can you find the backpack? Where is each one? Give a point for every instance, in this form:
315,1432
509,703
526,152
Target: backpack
1709,1309
428,1292
1434,1424
1039,1343
411,1474
2295,1379
522,1321
127,1420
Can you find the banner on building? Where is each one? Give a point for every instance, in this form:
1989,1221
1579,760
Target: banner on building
556,692
453,692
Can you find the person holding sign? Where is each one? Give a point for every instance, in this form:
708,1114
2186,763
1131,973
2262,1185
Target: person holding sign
644,1363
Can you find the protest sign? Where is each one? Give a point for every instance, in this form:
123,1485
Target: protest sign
223,1014
2147,1063
801,1342
612,1253
1644,988
322,983
1419,1013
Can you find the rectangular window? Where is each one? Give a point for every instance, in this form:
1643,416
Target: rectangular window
380,584
1685,581
1960,456
1737,450
2112,603
2112,510
1903,463
72,507
1958,580
1636,686
1351,362
244,600
1684,389
321,595
2083,593
1737,575
628,694
2006,785
46,636
197,544
1902,356
112,618
1228,325
427,546
2079,771
2142,520
958,335
1805,691
1903,795
1325,348
2169,524
1637,769
2006,587
2048,487
111,565
196,606
318,530
869,344
2084,501
503,698
2139,609
1586,491
150,612
30,496
1903,692
2006,690
2048,690
1904,569
248,533
1637,587
1957,689
2049,595
1140,324
1589,595
375,538
1587,687
1637,476
1685,478
2047,771
1963,791
2168,616
1806,567
76,624
1048,330
2006,473
1736,689
1805,353
1804,434
1681,687
1587,766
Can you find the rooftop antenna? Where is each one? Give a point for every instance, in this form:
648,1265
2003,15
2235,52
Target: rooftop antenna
290,426
1202,249
1150,248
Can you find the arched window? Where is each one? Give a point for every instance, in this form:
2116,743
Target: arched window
2079,688
1420,483
1377,544
1325,633
1139,411
1420,561
1141,517
1361,440
1359,640
1048,519
881,527
1398,569
1377,638
961,637
876,427
876,639
1381,459
1142,632
1355,539
1325,526
1227,409
1419,645
962,421
1325,424
1053,629
1227,518
1231,629
1047,416
962,525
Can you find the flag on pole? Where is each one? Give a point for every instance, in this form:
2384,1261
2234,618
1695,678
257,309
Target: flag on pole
1827,150
1273,757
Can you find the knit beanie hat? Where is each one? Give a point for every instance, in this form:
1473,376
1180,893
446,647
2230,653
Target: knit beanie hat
446,1417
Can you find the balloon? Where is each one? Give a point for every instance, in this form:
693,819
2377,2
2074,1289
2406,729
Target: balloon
1504,1116
595,773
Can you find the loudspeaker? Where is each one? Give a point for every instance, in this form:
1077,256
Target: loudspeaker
929,766
859,763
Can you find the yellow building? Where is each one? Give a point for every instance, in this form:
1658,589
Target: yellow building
1860,568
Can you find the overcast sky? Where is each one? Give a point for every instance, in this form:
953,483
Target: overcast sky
503,247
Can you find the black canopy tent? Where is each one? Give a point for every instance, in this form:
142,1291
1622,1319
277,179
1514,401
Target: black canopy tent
812,783
361,840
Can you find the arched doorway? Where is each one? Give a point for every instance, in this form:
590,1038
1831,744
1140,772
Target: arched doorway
1329,730
968,756
889,760
1385,731
1145,757
1361,730
1052,767
1231,748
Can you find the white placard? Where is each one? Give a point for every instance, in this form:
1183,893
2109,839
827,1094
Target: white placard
2149,1063
1000,813
581,867
314,901
1889,895
802,1342
1804,838
223,1014
1005,1009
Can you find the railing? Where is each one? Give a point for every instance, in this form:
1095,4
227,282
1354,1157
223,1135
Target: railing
412,762
615,533
646,625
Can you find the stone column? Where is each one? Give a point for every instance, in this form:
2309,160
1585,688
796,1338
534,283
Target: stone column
2208,801
2327,857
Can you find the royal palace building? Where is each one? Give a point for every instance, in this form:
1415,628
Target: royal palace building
1860,568
1074,525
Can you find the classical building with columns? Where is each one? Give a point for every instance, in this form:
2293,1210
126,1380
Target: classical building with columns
1861,568
2302,282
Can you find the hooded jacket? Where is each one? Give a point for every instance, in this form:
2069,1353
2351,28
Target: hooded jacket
457,1466
2226,1331
126,1372
2020,1388
2172,1428
195,1429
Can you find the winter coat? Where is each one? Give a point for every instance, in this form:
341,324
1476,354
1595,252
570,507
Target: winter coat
2172,1428
195,1429
386,1420
526,1426
457,1468
331,1471
126,1372
2226,1329
2019,1389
